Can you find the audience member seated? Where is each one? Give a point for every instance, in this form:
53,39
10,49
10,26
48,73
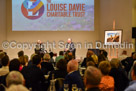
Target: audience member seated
104,53
132,84
14,78
101,58
21,59
26,59
88,55
22,62
59,74
92,79
109,77
2,54
69,56
129,74
46,66
121,80
20,53
91,63
51,58
30,62
90,59
107,82
95,58
61,71
33,75
61,56
17,88
2,87
13,66
128,62
5,65
1,50
123,56
73,76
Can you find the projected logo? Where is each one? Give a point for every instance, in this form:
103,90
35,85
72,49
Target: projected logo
32,9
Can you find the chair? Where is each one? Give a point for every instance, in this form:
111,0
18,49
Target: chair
2,87
59,83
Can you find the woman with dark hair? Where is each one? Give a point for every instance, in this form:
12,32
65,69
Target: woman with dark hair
59,74
61,70
13,66
88,57
51,59
101,58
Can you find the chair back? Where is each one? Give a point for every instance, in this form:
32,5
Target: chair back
59,83
2,87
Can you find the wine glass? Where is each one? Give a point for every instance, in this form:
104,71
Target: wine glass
66,87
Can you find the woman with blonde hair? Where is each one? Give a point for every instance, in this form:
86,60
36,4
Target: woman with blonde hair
46,66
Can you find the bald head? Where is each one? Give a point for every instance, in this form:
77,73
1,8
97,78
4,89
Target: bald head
17,88
39,42
72,66
69,40
14,77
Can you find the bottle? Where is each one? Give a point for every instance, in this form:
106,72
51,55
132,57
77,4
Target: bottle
52,76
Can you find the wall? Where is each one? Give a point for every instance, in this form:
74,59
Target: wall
105,12
2,22
134,14
134,17
121,12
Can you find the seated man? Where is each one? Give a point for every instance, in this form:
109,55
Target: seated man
5,66
132,84
34,76
128,62
20,53
61,70
73,76
13,66
92,78
39,47
17,88
61,56
14,77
